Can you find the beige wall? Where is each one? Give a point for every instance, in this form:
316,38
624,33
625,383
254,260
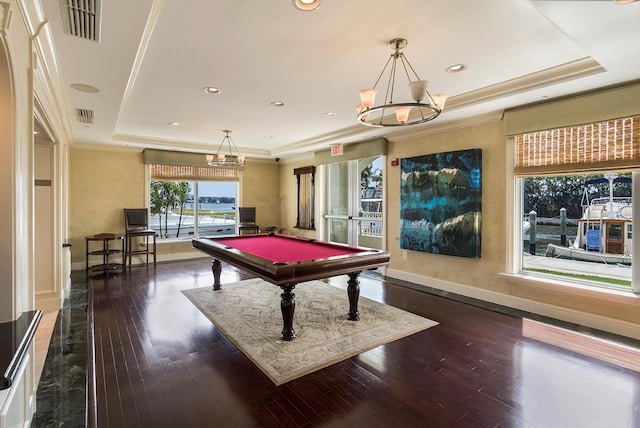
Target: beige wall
260,188
289,198
482,271
485,278
103,182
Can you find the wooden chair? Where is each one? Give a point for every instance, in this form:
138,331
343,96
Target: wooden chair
136,222
247,220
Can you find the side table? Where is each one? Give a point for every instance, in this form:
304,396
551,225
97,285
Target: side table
106,251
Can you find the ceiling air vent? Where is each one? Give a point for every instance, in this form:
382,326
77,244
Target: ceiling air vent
84,116
82,18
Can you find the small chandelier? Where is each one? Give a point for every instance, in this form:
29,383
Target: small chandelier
232,159
406,113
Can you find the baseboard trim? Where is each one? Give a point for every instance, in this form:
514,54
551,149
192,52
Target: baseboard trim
139,261
46,302
590,320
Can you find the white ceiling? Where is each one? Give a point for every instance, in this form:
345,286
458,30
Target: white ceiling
155,57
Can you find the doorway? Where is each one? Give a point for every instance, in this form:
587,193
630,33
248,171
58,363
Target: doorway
355,202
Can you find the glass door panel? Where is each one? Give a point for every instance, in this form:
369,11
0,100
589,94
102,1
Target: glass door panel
355,202
338,210
370,203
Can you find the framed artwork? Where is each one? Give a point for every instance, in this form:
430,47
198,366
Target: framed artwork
440,203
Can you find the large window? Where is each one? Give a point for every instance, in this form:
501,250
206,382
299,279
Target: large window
189,198
575,202
187,209
579,228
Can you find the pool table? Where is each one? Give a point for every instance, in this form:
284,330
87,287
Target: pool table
285,261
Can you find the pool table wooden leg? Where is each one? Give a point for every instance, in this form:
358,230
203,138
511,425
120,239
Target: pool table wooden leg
353,291
288,307
216,267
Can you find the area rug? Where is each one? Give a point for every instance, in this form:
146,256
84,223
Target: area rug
248,314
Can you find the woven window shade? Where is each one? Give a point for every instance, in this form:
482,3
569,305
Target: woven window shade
609,145
192,173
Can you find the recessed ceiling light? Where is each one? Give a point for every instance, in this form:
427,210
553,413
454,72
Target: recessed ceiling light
277,103
456,68
174,123
329,113
306,5
85,88
211,90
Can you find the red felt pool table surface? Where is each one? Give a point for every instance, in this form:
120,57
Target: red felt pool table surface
280,249
283,259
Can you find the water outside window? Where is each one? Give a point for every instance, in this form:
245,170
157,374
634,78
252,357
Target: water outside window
582,229
175,214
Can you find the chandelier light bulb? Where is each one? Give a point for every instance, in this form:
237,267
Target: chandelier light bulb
240,158
402,113
418,89
439,99
368,97
221,157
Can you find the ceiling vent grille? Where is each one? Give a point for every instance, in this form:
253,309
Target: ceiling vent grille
82,18
84,116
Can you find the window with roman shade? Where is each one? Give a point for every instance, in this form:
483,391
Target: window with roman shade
609,145
187,197
172,165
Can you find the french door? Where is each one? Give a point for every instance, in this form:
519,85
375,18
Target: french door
355,202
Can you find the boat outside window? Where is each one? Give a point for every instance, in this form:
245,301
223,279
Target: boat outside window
585,169
582,230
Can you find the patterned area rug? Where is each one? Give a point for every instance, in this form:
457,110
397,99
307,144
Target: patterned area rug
248,313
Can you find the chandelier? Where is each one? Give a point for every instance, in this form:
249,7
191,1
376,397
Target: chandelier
231,159
406,113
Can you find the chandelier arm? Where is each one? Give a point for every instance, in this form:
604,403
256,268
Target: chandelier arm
383,70
220,146
231,143
431,100
388,96
405,59
421,113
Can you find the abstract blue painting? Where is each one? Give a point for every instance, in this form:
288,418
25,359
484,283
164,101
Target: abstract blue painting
440,203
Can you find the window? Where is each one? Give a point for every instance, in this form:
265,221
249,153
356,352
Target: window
187,197
187,209
306,196
574,228
576,201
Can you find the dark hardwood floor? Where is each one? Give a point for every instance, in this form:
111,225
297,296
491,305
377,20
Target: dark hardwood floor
161,363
